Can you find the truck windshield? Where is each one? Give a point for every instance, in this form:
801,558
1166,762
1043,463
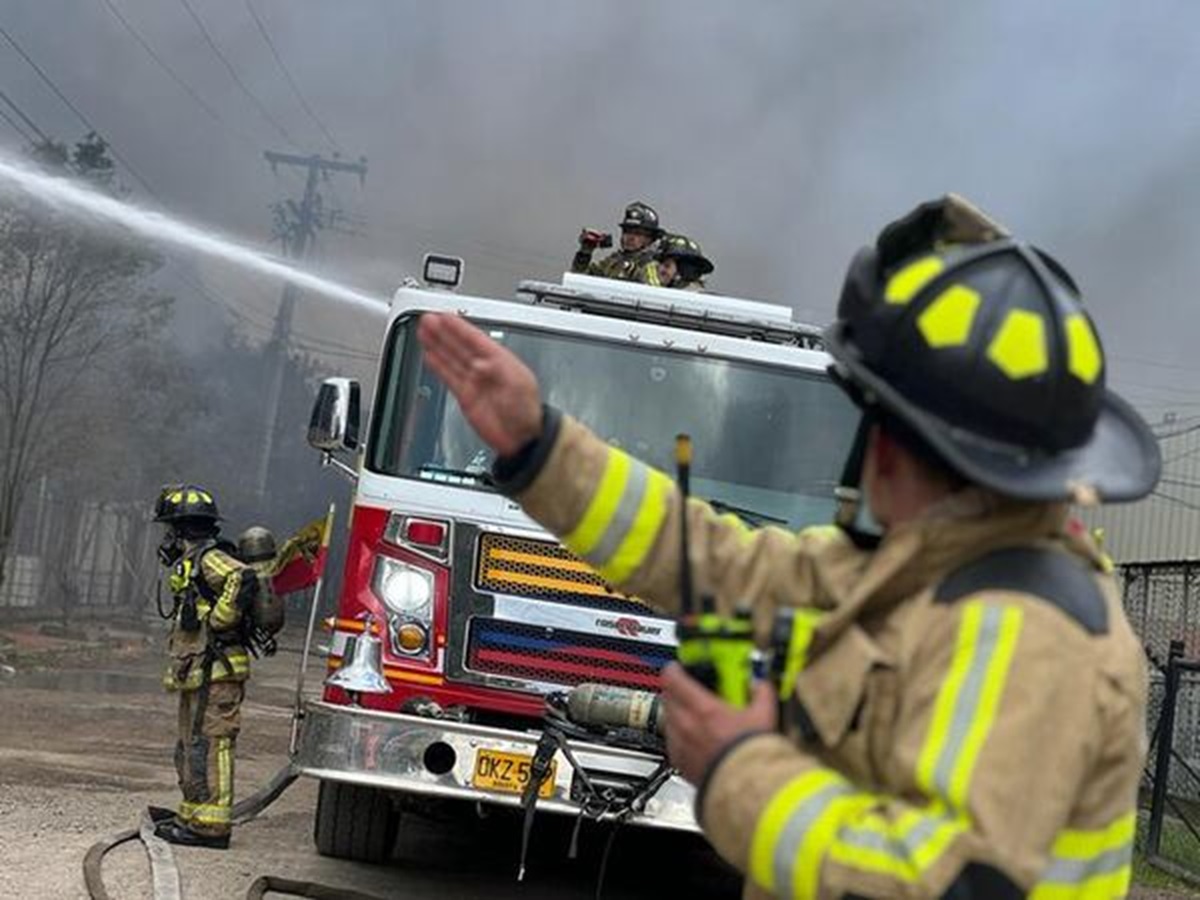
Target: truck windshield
769,441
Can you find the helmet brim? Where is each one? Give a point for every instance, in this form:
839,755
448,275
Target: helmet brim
175,517
1120,462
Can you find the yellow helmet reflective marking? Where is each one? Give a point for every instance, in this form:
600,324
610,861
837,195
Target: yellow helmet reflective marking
1084,358
193,497
1019,347
905,284
946,322
206,496
176,497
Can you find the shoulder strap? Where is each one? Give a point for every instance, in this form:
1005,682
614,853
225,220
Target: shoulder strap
203,588
1058,578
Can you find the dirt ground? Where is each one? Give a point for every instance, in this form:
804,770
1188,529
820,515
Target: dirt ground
84,749
85,746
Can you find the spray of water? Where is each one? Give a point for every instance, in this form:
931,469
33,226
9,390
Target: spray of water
68,196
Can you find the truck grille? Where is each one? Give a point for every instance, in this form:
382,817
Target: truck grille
559,656
546,571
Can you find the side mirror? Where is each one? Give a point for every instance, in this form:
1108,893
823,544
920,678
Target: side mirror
335,416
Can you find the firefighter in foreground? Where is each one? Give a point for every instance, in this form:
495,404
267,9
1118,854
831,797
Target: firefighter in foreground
968,704
640,231
210,662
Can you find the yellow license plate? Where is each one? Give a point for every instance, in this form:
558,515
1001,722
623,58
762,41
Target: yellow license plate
509,772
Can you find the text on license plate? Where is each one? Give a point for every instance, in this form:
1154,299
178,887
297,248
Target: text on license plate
499,771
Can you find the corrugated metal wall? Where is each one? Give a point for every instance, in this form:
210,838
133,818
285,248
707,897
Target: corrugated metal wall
1166,525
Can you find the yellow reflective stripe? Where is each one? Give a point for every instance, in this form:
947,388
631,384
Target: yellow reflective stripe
1090,864
1109,886
905,848
1075,844
225,613
652,275
218,564
212,814
775,817
639,539
994,678
806,873
224,773
601,508
967,700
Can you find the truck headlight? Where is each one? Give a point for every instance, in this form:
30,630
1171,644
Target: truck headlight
404,589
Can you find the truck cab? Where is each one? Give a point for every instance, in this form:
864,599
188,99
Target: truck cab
480,613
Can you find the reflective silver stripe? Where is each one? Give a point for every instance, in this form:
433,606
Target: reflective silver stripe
787,847
623,515
900,847
967,704
1077,871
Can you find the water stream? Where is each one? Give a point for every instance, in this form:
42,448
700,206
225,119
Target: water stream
77,199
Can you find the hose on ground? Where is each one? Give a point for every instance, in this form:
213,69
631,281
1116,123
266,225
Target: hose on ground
274,884
163,866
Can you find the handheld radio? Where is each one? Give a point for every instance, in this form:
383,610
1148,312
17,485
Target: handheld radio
717,650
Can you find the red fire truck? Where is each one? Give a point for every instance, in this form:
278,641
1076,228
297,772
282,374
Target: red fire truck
462,616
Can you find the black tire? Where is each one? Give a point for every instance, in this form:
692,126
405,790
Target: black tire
355,823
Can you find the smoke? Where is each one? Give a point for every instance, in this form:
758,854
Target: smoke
779,135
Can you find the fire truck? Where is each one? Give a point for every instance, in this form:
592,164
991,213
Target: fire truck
459,617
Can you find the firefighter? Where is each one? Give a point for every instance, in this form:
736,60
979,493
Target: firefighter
212,590
640,231
679,263
967,699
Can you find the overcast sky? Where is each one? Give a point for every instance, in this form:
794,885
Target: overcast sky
780,135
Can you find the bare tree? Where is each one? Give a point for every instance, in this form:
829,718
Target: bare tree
73,299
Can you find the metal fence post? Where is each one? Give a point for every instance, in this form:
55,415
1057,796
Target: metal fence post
1166,741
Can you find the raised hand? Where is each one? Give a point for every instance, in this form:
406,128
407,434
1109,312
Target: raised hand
497,393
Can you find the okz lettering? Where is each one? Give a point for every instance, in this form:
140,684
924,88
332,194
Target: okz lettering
502,769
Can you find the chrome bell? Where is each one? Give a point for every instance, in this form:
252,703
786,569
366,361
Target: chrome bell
362,665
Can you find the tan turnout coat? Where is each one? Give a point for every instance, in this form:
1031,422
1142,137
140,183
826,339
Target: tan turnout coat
989,741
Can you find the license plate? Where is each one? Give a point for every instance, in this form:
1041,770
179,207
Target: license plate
509,772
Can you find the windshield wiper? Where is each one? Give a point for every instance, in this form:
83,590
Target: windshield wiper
437,473
749,516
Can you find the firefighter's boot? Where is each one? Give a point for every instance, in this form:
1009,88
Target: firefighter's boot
174,833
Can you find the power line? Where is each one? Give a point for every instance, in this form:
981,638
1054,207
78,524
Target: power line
311,343
175,76
266,35
15,127
24,118
75,109
208,38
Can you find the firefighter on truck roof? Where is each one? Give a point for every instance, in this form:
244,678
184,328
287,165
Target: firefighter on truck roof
969,717
210,661
640,232
678,263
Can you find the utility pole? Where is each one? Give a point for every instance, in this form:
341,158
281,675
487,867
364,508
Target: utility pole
296,225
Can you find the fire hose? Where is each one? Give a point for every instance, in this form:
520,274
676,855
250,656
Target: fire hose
164,874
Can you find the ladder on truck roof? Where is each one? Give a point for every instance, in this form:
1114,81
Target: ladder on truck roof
710,313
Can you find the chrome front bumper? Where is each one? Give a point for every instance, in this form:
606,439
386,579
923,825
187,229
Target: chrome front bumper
405,753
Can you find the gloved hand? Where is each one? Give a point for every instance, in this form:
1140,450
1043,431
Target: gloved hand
590,239
177,581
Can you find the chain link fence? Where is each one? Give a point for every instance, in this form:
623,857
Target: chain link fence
74,557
